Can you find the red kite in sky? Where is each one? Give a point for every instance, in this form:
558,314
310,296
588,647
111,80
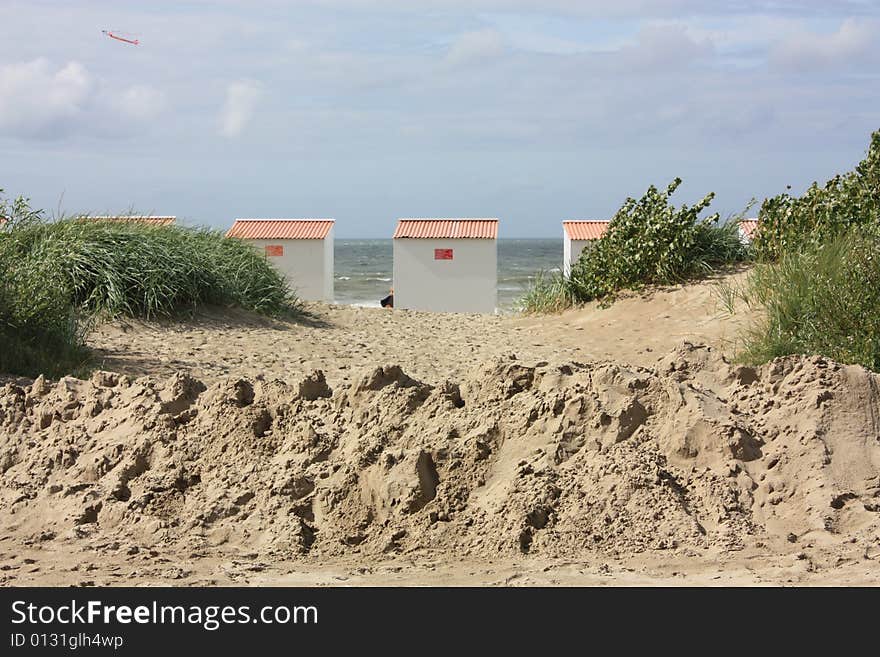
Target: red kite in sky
124,39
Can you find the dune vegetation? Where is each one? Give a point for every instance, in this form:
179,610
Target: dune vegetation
817,282
60,277
649,241
815,285
790,223
824,299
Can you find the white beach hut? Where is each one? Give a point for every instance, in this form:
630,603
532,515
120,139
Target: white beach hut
302,249
747,228
446,265
578,234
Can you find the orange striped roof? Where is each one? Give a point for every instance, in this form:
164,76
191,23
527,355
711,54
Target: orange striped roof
281,229
748,227
485,229
133,218
585,229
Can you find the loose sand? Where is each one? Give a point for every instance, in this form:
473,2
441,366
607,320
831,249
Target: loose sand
342,340
614,446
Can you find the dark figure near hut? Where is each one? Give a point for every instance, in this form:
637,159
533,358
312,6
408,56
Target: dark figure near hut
388,302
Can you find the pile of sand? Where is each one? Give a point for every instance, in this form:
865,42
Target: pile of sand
555,459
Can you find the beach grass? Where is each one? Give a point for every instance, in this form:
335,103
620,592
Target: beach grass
824,299
548,293
60,277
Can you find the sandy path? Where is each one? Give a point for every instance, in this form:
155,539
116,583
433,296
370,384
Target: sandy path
341,340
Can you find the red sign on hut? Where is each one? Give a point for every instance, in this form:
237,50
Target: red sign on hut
442,254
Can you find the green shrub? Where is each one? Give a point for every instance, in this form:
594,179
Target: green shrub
648,242
822,300
789,223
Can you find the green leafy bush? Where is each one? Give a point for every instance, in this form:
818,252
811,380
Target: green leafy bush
648,242
824,300
789,223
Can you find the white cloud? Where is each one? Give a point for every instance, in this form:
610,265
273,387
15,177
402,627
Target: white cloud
474,47
36,100
238,109
854,40
39,100
627,8
140,102
534,40
664,46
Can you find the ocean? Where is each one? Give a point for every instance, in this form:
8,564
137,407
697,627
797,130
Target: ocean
363,268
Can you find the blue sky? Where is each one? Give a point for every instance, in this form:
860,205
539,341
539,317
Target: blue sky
369,110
